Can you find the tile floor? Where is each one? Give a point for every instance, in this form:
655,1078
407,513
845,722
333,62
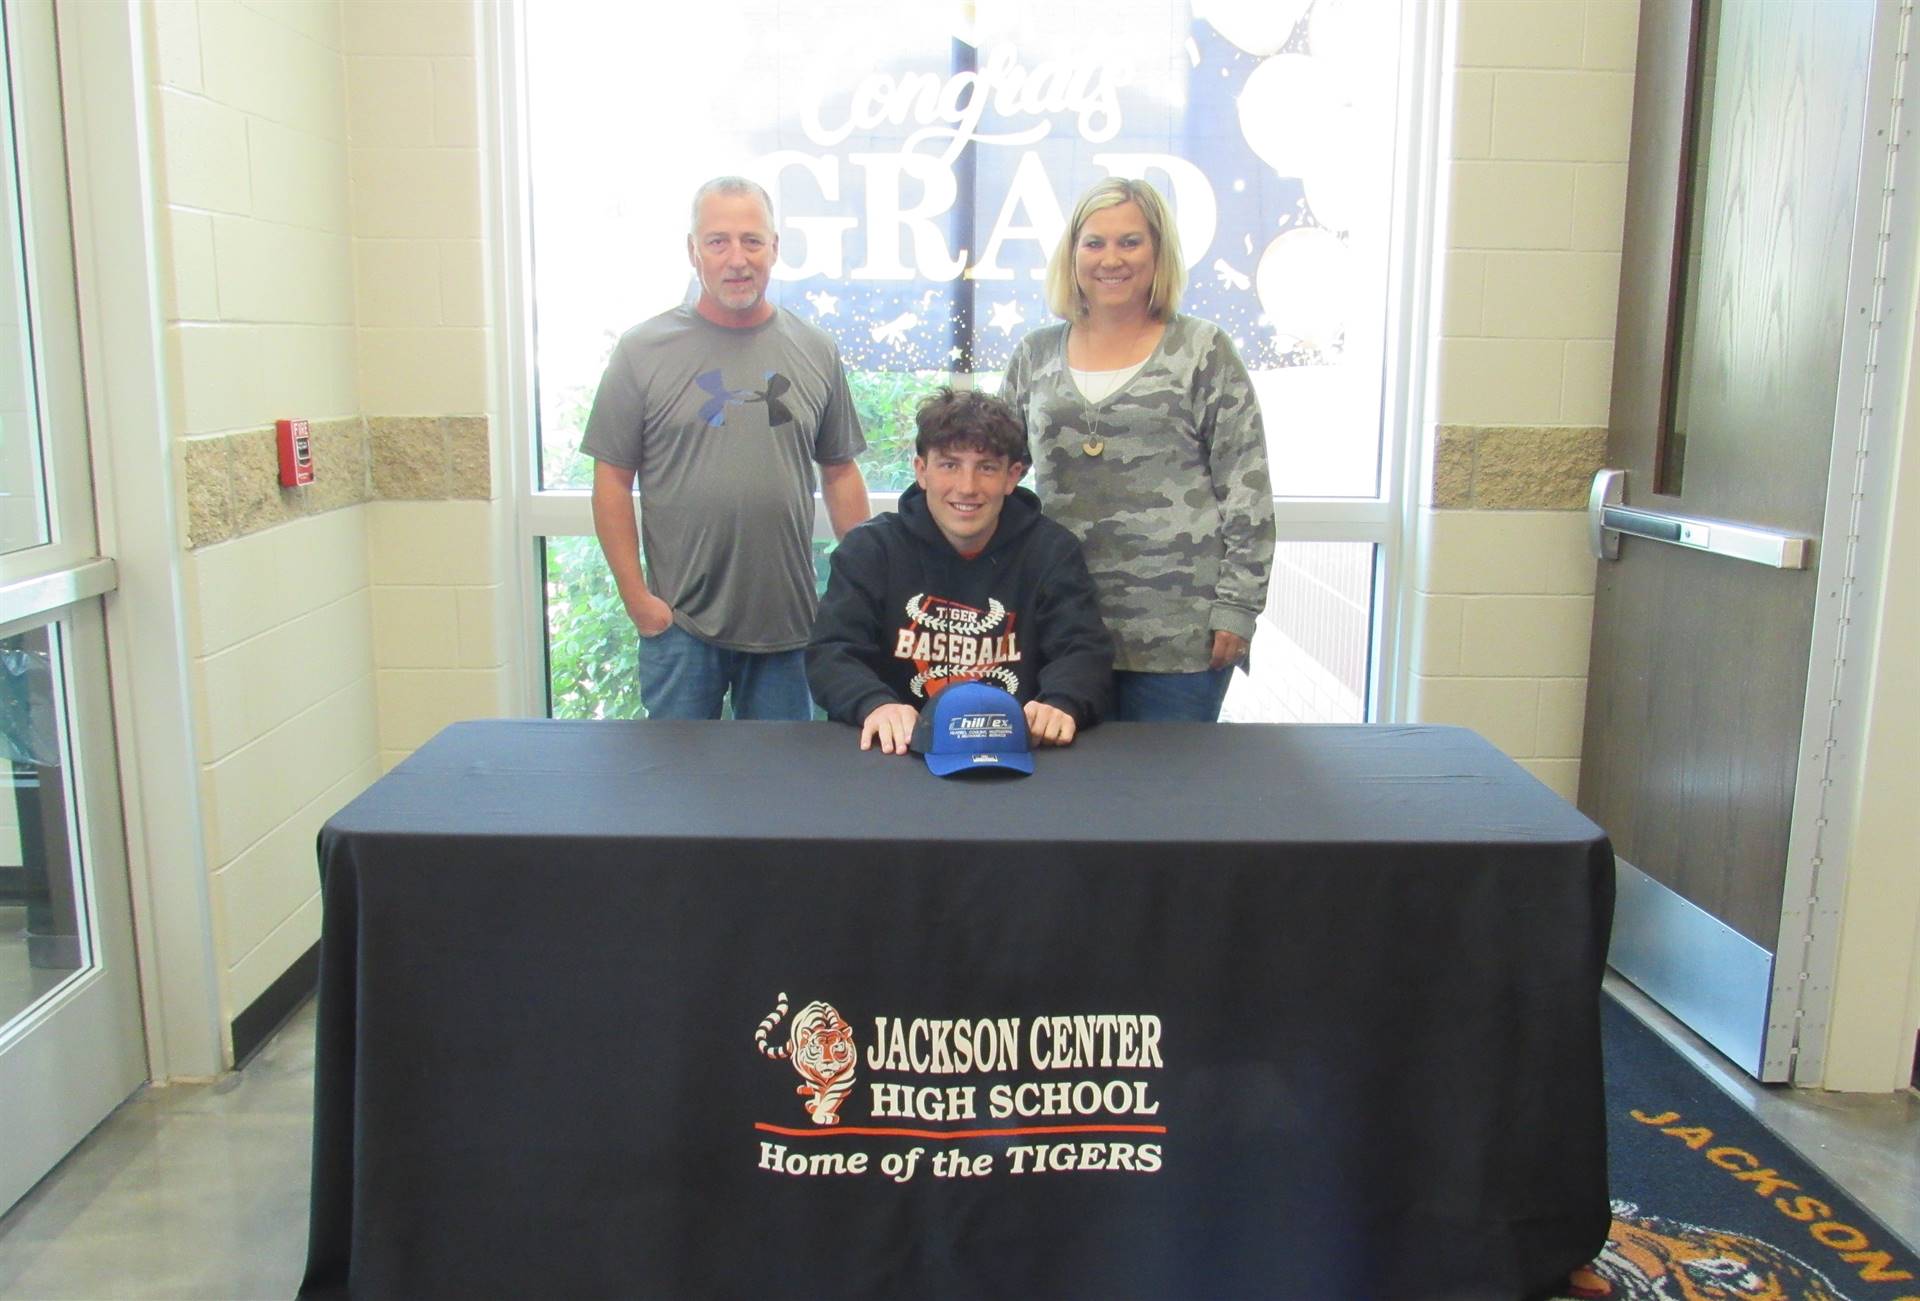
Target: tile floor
200,1191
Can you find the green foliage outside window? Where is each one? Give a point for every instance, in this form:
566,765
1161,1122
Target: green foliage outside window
590,641
563,422
886,402
592,648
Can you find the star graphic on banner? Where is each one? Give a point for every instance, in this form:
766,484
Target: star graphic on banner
895,331
824,303
1231,275
1006,315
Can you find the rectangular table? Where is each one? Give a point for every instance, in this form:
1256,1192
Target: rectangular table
1193,1010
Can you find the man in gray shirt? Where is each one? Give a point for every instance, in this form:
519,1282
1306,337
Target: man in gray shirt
721,410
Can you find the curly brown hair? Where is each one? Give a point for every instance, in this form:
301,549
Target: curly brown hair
969,419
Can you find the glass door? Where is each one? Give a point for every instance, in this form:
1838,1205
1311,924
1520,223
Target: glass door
71,1047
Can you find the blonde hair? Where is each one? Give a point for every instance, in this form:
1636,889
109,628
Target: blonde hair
1064,298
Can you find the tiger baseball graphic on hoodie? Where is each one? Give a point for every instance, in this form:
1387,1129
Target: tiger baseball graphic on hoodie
905,614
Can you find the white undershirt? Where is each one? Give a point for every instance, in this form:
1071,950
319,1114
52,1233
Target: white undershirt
1097,385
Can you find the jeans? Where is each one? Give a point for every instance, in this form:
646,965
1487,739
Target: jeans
1170,697
684,677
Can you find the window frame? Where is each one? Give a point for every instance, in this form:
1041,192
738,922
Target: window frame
1385,520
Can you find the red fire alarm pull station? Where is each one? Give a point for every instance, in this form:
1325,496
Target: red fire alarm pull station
296,453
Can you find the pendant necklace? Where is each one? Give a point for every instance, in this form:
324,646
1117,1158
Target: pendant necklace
1092,444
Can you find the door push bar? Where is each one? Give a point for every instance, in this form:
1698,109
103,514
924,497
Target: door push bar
1608,517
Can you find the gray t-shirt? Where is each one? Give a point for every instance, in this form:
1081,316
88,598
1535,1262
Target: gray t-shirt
724,427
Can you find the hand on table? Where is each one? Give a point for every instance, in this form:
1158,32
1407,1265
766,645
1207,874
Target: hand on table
1228,648
891,726
1047,725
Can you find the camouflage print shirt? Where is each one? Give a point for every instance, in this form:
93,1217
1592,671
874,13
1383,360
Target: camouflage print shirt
1175,512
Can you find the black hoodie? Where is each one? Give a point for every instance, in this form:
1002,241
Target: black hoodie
904,613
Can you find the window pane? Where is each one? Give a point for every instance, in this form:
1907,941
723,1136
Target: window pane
42,916
924,159
591,644
1310,652
1670,459
23,501
592,648
886,401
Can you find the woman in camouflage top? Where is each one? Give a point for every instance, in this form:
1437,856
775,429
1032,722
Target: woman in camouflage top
1148,445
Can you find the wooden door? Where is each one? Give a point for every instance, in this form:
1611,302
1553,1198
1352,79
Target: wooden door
1742,193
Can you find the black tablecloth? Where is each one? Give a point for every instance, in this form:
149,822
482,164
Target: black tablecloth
1315,1010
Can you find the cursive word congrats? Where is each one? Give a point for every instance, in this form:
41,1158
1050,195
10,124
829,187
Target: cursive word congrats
951,108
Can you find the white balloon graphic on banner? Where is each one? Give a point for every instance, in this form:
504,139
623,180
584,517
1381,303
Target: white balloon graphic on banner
1256,26
1282,111
1302,284
1349,191
1337,189
1297,117
1338,37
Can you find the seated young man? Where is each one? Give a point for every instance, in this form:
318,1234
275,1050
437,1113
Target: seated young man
967,580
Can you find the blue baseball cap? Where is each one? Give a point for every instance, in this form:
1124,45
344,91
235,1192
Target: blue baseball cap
973,727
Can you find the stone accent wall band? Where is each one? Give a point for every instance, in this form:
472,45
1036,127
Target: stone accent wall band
232,481
430,458
1515,467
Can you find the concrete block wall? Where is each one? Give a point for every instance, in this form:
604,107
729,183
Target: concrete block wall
438,630
317,183
257,289
1503,585
253,170
284,696
419,252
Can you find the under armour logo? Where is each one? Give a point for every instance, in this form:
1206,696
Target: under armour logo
713,412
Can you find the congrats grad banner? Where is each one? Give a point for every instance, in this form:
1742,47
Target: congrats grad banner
921,196
924,160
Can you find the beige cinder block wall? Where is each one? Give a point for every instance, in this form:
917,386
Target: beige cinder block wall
317,185
440,524
1502,601
251,185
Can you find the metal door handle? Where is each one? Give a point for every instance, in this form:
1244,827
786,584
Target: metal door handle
1608,516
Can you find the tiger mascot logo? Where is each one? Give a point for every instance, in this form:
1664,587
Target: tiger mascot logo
1648,1258
820,1045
